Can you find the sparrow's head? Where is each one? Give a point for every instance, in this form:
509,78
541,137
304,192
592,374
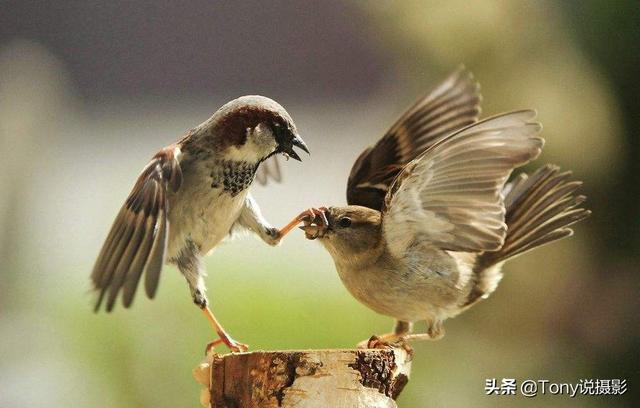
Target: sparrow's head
348,233
253,128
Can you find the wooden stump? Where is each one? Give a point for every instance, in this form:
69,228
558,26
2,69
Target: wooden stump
304,378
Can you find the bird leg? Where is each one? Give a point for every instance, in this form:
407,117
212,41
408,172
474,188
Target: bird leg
435,331
389,340
225,338
190,265
402,327
307,215
402,335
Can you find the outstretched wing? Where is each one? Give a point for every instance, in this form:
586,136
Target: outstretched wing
452,105
269,170
450,196
138,237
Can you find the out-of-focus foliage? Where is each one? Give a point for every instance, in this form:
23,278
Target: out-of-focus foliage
71,150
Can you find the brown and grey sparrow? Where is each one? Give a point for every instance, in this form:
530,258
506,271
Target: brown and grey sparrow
431,218
190,197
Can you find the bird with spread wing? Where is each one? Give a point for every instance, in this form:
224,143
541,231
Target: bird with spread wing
431,216
190,196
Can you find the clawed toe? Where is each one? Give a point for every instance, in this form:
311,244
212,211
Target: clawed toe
315,222
223,337
376,342
232,345
385,342
364,344
237,347
314,215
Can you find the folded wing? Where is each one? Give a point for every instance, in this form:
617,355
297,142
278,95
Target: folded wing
450,195
138,237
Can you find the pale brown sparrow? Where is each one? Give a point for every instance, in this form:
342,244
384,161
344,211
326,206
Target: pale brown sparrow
431,218
190,197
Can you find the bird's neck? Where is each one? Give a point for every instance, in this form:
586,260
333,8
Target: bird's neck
357,260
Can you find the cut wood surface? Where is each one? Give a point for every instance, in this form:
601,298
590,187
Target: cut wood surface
304,378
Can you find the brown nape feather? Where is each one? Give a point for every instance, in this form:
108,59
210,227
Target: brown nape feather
540,208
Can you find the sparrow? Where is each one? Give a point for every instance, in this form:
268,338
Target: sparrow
191,196
431,218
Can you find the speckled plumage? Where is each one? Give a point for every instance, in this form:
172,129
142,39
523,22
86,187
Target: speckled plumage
233,176
189,198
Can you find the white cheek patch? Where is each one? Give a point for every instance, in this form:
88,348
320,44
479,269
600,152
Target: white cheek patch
260,143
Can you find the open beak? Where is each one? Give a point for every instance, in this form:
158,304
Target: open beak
310,231
296,141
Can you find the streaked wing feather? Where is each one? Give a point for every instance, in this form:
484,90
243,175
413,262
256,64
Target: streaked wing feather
133,277
156,258
146,209
452,105
137,239
124,264
450,196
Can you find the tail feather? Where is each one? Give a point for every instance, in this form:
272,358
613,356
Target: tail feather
540,208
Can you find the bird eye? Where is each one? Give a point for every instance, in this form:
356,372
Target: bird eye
345,222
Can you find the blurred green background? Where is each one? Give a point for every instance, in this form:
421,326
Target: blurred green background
90,90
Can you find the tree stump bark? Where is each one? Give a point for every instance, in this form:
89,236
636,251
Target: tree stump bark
304,378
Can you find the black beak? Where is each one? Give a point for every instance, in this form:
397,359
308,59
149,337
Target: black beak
287,147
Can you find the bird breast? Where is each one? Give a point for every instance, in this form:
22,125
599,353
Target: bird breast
425,284
207,205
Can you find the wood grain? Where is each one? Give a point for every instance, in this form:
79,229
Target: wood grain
304,378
